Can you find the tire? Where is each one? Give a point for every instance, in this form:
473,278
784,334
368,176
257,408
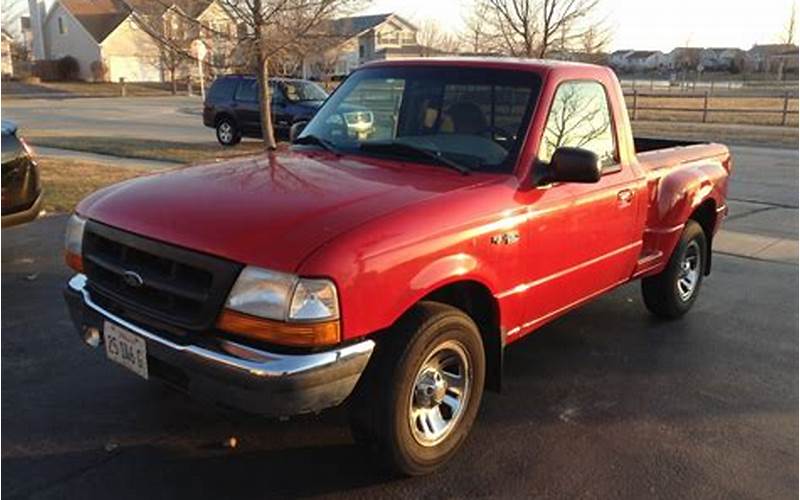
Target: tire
671,293
228,134
404,394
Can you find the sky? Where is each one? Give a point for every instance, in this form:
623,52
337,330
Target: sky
644,24
639,24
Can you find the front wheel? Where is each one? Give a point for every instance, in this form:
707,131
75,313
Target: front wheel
424,392
671,293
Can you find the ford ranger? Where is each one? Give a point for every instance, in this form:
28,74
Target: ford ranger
391,268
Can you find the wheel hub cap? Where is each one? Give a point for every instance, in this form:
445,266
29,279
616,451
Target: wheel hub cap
440,393
689,273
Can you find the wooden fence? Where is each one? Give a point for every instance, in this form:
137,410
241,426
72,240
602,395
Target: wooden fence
743,109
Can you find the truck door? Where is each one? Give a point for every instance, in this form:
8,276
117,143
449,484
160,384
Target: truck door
582,238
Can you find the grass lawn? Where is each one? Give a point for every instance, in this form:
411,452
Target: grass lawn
664,113
178,152
66,182
93,89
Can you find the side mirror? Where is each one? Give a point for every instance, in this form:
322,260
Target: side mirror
575,165
296,130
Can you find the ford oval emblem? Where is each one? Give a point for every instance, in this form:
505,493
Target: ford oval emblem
132,279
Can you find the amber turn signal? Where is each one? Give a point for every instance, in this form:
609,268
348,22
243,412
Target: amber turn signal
279,332
74,261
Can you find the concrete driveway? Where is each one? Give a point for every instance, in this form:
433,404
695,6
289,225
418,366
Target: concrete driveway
606,402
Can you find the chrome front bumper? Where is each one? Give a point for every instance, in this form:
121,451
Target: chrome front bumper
233,374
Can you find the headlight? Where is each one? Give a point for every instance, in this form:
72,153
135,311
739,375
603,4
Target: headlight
73,242
314,300
282,308
262,293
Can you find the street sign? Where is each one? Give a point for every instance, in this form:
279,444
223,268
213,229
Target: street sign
200,51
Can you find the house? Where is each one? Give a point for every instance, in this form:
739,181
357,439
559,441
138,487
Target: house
619,59
119,36
7,54
356,40
646,60
638,60
684,58
768,57
721,59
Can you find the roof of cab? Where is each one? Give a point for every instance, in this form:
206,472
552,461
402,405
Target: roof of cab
537,65
9,127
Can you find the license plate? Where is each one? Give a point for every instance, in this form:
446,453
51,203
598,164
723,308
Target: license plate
126,348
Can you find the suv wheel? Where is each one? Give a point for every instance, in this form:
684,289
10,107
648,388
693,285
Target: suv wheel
227,132
423,392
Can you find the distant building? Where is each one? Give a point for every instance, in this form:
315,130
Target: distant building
722,59
354,41
638,60
770,58
105,31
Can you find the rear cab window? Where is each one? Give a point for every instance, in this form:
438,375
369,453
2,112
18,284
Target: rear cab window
580,117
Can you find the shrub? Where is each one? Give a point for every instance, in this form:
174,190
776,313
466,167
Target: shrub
68,68
99,71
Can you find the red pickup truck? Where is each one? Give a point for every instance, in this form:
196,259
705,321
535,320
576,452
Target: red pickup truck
391,265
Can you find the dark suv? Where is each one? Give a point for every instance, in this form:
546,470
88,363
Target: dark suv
232,106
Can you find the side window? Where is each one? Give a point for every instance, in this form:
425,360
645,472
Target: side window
277,94
579,118
247,91
222,89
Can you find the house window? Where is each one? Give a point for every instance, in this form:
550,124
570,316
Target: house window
361,51
409,38
62,26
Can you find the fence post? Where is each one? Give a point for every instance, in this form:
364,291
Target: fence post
785,108
123,90
635,99
705,106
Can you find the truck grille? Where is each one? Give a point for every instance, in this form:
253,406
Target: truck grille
168,284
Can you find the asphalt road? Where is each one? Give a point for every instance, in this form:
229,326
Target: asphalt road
177,119
604,402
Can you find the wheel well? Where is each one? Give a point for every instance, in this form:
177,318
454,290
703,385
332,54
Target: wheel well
477,302
224,115
706,216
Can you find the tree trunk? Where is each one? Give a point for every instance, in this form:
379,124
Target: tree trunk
174,81
266,110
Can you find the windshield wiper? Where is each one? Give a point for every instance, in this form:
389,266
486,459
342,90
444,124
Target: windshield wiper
399,147
318,141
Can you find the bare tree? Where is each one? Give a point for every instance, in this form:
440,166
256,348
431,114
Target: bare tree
788,33
434,40
273,27
476,36
532,28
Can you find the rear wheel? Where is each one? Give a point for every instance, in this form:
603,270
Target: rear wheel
422,395
228,133
671,293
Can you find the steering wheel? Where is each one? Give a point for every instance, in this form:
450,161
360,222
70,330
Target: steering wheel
494,131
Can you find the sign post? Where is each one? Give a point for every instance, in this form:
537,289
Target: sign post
200,52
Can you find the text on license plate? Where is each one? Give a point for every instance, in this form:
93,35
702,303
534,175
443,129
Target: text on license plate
126,348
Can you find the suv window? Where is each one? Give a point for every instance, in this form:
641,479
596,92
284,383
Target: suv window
247,90
579,118
222,89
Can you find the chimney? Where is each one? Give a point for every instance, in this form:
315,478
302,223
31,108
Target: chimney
37,11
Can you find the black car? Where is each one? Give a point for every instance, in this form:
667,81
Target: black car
22,191
232,106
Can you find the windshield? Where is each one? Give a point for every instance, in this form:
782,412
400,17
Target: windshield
303,91
470,116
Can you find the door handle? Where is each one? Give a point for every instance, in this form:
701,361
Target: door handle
625,196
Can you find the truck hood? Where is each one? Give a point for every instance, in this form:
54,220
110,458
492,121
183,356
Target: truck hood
272,210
